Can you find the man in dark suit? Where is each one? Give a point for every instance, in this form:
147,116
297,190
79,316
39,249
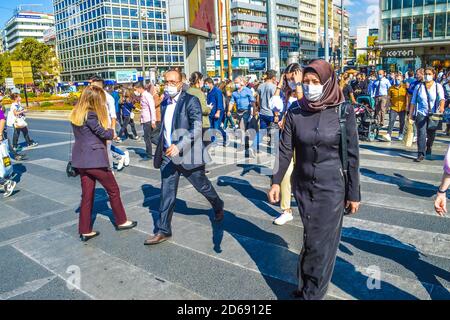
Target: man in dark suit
180,151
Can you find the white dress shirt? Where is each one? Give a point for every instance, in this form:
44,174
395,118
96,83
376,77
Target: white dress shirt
168,117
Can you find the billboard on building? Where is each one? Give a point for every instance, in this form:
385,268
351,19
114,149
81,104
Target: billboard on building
192,17
126,76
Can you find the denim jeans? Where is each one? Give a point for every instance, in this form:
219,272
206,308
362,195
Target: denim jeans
425,137
392,117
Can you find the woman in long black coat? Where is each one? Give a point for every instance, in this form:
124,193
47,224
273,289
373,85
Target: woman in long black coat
312,129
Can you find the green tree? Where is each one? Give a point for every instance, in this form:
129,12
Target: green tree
5,66
43,60
362,59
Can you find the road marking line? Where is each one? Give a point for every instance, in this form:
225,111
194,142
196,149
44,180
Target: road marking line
31,286
47,131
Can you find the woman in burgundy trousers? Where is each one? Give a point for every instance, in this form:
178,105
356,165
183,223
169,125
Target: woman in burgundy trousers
91,128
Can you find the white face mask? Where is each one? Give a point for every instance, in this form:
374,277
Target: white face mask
171,91
137,93
292,85
313,92
428,77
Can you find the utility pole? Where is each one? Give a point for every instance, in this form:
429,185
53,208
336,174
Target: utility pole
272,36
342,36
222,64
229,49
325,22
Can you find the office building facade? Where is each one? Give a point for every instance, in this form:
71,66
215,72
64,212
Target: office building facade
249,35
309,22
339,13
415,33
103,37
26,24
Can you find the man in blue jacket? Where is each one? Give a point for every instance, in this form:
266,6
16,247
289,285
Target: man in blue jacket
215,102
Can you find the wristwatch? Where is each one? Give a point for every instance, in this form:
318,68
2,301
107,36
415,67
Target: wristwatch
440,191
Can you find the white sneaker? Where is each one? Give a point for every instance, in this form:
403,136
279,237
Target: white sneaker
121,163
414,139
400,137
9,188
387,137
286,216
127,159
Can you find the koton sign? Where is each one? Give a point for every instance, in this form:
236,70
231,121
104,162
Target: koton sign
400,53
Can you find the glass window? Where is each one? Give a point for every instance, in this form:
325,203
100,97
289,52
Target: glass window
396,4
118,47
116,23
116,11
128,59
448,24
126,35
418,3
125,12
440,25
407,3
117,35
135,35
386,30
395,29
387,5
134,24
406,28
429,2
119,59
428,26
126,23
417,27
441,1
109,35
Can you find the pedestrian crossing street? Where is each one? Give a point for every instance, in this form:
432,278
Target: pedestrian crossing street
394,248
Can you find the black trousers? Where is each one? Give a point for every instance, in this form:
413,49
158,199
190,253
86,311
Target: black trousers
155,133
147,126
17,132
124,130
170,176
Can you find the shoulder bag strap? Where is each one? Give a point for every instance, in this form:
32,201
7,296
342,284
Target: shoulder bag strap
430,109
342,109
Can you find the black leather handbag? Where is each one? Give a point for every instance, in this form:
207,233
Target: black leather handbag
71,171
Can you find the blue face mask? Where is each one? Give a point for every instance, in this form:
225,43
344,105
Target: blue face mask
380,76
206,87
397,82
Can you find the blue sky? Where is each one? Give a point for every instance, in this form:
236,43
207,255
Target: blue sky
362,12
7,8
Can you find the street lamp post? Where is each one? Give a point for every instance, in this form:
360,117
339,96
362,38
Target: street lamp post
325,34
342,36
141,42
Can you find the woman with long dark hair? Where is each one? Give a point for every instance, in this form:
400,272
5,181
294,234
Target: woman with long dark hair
324,186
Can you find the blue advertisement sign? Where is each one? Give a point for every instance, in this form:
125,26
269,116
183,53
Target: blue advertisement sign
257,64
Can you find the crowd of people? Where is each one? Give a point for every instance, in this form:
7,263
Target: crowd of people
310,109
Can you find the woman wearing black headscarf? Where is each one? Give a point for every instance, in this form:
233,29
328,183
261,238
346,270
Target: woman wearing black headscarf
312,129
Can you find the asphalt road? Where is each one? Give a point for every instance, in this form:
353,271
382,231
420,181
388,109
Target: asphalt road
394,248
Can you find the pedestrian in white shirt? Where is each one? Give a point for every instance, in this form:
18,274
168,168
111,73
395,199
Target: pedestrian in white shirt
428,98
